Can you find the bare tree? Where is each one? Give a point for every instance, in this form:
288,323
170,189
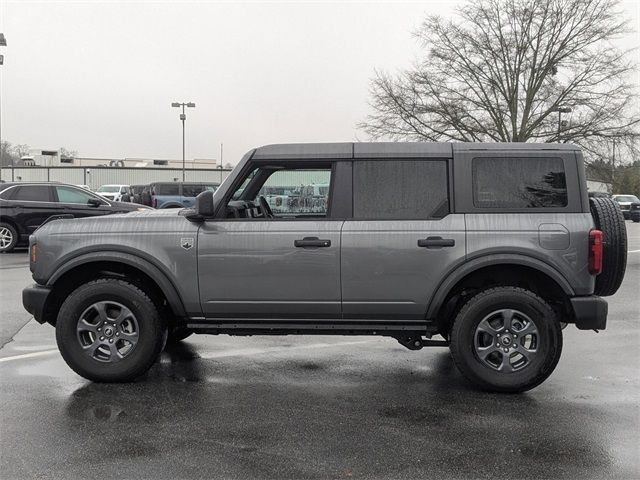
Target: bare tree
21,150
502,69
10,154
66,153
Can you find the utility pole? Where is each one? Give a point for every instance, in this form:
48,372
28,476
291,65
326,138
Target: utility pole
613,163
183,117
3,43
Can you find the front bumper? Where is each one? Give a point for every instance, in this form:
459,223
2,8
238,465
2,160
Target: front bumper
34,299
590,313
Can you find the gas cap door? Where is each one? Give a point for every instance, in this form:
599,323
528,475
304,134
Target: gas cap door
553,236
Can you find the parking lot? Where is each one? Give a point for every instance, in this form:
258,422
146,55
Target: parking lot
317,407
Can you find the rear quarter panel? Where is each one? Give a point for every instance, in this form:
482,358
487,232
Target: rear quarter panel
561,240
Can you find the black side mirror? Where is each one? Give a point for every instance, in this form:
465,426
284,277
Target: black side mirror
204,204
94,202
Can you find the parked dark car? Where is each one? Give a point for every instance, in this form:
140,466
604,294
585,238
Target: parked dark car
634,212
25,206
626,203
174,194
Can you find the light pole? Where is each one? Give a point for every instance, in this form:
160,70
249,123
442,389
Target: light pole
3,43
560,111
183,117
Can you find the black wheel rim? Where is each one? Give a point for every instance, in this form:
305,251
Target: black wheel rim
107,331
506,341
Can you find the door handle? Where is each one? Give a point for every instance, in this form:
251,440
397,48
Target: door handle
308,242
436,242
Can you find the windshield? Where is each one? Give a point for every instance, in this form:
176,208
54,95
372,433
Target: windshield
627,198
109,188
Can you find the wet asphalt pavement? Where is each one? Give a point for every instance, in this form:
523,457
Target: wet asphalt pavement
318,407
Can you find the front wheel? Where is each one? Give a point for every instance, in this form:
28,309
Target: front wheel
506,339
108,330
8,237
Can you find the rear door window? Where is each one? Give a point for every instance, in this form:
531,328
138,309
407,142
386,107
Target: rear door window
32,193
400,189
519,182
167,189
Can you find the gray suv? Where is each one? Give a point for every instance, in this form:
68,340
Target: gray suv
489,249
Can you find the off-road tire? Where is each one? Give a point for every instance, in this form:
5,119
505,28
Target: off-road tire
463,333
14,237
151,336
609,219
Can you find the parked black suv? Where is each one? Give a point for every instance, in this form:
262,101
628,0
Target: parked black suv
25,206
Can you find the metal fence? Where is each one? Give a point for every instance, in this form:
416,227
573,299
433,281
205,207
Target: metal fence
94,177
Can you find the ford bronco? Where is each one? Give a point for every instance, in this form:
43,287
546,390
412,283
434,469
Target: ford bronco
489,249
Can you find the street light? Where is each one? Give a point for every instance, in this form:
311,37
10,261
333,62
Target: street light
560,111
3,43
183,117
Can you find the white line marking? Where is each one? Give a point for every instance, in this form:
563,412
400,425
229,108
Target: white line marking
633,251
229,353
27,355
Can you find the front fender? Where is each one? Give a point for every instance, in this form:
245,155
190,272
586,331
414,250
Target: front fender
146,266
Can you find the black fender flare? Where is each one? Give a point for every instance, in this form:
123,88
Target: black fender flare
168,288
475,264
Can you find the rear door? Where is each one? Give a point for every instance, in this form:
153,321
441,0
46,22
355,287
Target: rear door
190,192
402,239
33,205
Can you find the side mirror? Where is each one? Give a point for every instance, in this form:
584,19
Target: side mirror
94,202
204,204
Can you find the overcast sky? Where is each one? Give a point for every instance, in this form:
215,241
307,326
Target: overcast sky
99,77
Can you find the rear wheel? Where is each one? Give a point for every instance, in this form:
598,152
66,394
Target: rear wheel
506,339
609,219
108,330
8,237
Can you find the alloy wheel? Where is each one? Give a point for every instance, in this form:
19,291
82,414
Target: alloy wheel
506,340
6,238
107,331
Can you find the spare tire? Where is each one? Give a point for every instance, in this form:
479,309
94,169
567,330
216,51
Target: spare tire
609,219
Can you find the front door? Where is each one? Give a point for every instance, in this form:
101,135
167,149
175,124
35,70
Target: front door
75,201
273,255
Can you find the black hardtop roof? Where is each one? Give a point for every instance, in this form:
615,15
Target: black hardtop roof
357,150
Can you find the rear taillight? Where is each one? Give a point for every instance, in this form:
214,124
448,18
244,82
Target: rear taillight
154,203
34,253
596,246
